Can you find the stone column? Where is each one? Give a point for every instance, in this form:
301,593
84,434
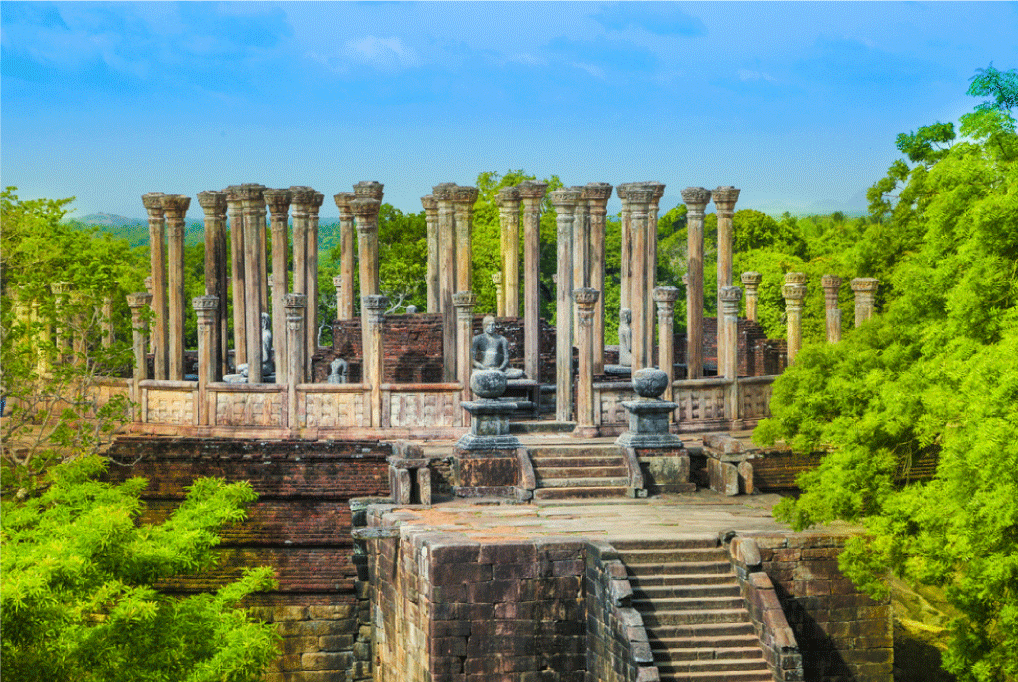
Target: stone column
831,285
794,292
253,200
148,288
496,279
80,343
106,320
597,194
295,306
639,199
464,301
724,200
464,198
443,194
138,303
696,199
728,364
650,263
585,300
531,193
205,308
509,220
153,202
213,204
311,317
365,212
176,206
431,218
235,207
751,280
865,289
581,251
300,207
278,201
61,290
345,302
626,255
374,360
665,298
564,200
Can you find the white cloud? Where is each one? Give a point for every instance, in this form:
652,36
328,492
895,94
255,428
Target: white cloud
594,71
387,54
747,75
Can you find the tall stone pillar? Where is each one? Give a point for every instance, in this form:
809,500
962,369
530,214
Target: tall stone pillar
665,298
585,300
311,277
531,193
650,263
205,308
724,200
300,207
278,201
374,359
751,280
138,303
626,255
365,212
496,279
581,251
728,364
794,292
463,199
509,221
148,288
597,194
831,285
430,205
564,200
235,208
153,202
106,320
696,199
295,306
213,204
639,199
253,202
443,194
865,289
61,290
263,263
464,302
176,206
80,343
345,302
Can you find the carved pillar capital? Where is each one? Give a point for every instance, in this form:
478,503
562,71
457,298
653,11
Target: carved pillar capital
508,199
597,195
794,290
137,302
565,199
831,284
751,280
175,205
369,189
153,202
464,301
532,191
586,299
343,200
430,204
295,305
696,200
724,199
205,308
865,285
730,298
213,203
365,210
375,305
278,201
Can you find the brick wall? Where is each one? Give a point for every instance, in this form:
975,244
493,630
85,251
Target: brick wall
758,355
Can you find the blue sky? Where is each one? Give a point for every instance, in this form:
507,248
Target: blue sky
798,104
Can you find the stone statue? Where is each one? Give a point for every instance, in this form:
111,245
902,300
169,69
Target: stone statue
490,350
268,364
340,369
625,338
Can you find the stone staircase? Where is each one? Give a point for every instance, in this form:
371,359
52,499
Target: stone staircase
579,471
696,620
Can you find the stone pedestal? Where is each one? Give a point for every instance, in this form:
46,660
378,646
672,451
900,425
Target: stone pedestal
345,302
696,199
509,221
564,201
489,417
531,194
831,285
153,202
751,281
794,292
865,289
586,298
665,298
649,415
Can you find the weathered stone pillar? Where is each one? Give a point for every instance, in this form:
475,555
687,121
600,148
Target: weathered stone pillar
724,200
626,255
443,194
365,212
176,206
296,306
431,218
235,207
205,308
564,200
463,199
509,221
581,251
865,289
345,302
728,364
278,201
696,199
665,298
138,303
585,300
148,288
597,194
300,207
213,204
106,319
61,290
531,193
374,359
639,198
253,202
831,285
153,202
650,263
496,279
311,276
794,292
80,343
464,302
751,280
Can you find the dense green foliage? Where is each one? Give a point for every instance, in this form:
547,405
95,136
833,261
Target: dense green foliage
77,585
936,371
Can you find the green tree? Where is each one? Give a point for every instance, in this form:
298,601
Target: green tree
78,594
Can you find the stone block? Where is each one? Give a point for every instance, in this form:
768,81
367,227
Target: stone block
449,646
324,661
333,643
515,571
745,470
456,574
508,553
493,591
300,645
330,612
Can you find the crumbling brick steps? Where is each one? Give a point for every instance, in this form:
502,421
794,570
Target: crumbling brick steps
692,607
587,471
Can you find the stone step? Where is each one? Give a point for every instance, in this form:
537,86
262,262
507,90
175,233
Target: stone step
671,556
598,482
720,642
700,631
580,492
718,676
659,592
581,472
709,652
714,665
684,617
579,450
558,462
698,541
697,603
651,579
679,568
